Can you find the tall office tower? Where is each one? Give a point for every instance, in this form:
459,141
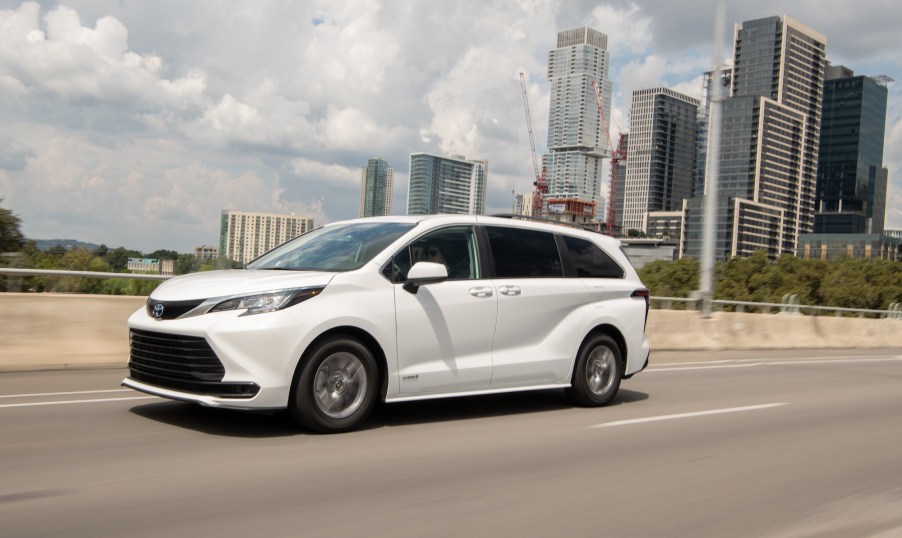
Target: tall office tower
769,147
660,166
446,185
851,179
245,235
577,140
376,189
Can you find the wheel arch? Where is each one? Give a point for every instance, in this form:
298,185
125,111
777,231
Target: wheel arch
355,332
614,333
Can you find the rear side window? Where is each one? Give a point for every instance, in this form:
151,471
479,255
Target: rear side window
522,253
590,260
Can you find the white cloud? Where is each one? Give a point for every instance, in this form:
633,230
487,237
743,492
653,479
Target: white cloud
332,173
114,115
629,31
646,72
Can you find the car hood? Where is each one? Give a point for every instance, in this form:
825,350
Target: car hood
235,282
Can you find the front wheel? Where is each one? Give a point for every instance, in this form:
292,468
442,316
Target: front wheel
335,388
598,371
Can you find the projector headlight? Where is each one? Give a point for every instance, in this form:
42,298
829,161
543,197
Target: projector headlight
267,302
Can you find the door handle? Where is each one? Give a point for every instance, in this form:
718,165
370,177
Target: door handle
481,292
510,291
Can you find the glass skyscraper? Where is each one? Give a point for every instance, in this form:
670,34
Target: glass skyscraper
452,185
769,146
577,140
851,179
376,189
660,169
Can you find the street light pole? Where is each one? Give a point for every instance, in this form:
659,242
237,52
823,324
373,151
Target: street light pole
712,165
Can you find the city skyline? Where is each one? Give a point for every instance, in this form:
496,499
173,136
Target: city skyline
134,125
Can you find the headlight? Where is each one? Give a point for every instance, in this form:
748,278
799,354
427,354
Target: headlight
266,302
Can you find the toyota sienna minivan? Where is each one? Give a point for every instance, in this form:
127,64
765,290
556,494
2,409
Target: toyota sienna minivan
397,309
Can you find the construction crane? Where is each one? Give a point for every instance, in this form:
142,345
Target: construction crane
617,155
541,186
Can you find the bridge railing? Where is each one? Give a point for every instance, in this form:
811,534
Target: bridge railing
789,307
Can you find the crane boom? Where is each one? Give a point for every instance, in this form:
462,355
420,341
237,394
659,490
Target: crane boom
539,182
617,155
532,141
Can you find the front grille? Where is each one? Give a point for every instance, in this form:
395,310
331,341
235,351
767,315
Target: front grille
182,363
171,309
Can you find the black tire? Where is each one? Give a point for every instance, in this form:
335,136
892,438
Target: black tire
335,388
597,374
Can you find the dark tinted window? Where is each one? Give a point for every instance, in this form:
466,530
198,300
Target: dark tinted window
590,260
524,253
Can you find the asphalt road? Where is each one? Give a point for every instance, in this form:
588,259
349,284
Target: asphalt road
776,444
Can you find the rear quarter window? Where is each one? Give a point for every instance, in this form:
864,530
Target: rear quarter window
590,261
522,253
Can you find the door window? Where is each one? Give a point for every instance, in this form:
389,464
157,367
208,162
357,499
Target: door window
454,247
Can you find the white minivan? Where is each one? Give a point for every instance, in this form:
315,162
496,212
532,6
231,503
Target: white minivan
397,309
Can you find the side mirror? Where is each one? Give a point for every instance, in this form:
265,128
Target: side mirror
423,273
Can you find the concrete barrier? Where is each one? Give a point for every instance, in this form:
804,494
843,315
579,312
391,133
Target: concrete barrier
687,330
45,331
52,331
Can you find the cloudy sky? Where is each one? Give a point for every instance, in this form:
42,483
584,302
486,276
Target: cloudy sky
135,123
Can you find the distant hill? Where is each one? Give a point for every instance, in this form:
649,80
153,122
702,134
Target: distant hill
47,244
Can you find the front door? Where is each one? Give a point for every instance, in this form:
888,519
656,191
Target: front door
446,329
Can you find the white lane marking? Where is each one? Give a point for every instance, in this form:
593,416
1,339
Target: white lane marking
674,367
33,404
714,367
689,415
62,393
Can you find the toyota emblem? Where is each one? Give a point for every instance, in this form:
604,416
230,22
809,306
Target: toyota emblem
158,310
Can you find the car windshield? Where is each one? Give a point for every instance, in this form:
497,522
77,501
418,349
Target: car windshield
333,248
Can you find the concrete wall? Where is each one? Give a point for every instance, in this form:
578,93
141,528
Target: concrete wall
40,331
682,330
51,331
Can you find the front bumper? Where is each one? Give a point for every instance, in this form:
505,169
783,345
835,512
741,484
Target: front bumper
220,359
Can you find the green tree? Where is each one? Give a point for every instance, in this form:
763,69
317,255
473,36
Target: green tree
671,279
58,251
221,263
11,238
186,263
117,258
162,254
80,259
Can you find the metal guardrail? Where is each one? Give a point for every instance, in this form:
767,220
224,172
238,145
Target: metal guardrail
84,274
790,307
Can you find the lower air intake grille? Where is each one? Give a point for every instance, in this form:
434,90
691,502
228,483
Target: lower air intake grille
182,363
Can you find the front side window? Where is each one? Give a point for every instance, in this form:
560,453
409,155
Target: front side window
520,253
590,260
344,247
454,247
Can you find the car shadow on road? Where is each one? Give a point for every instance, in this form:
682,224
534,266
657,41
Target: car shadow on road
230,423
219,422
477,407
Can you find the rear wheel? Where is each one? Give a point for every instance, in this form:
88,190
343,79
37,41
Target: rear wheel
335,389
599,368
